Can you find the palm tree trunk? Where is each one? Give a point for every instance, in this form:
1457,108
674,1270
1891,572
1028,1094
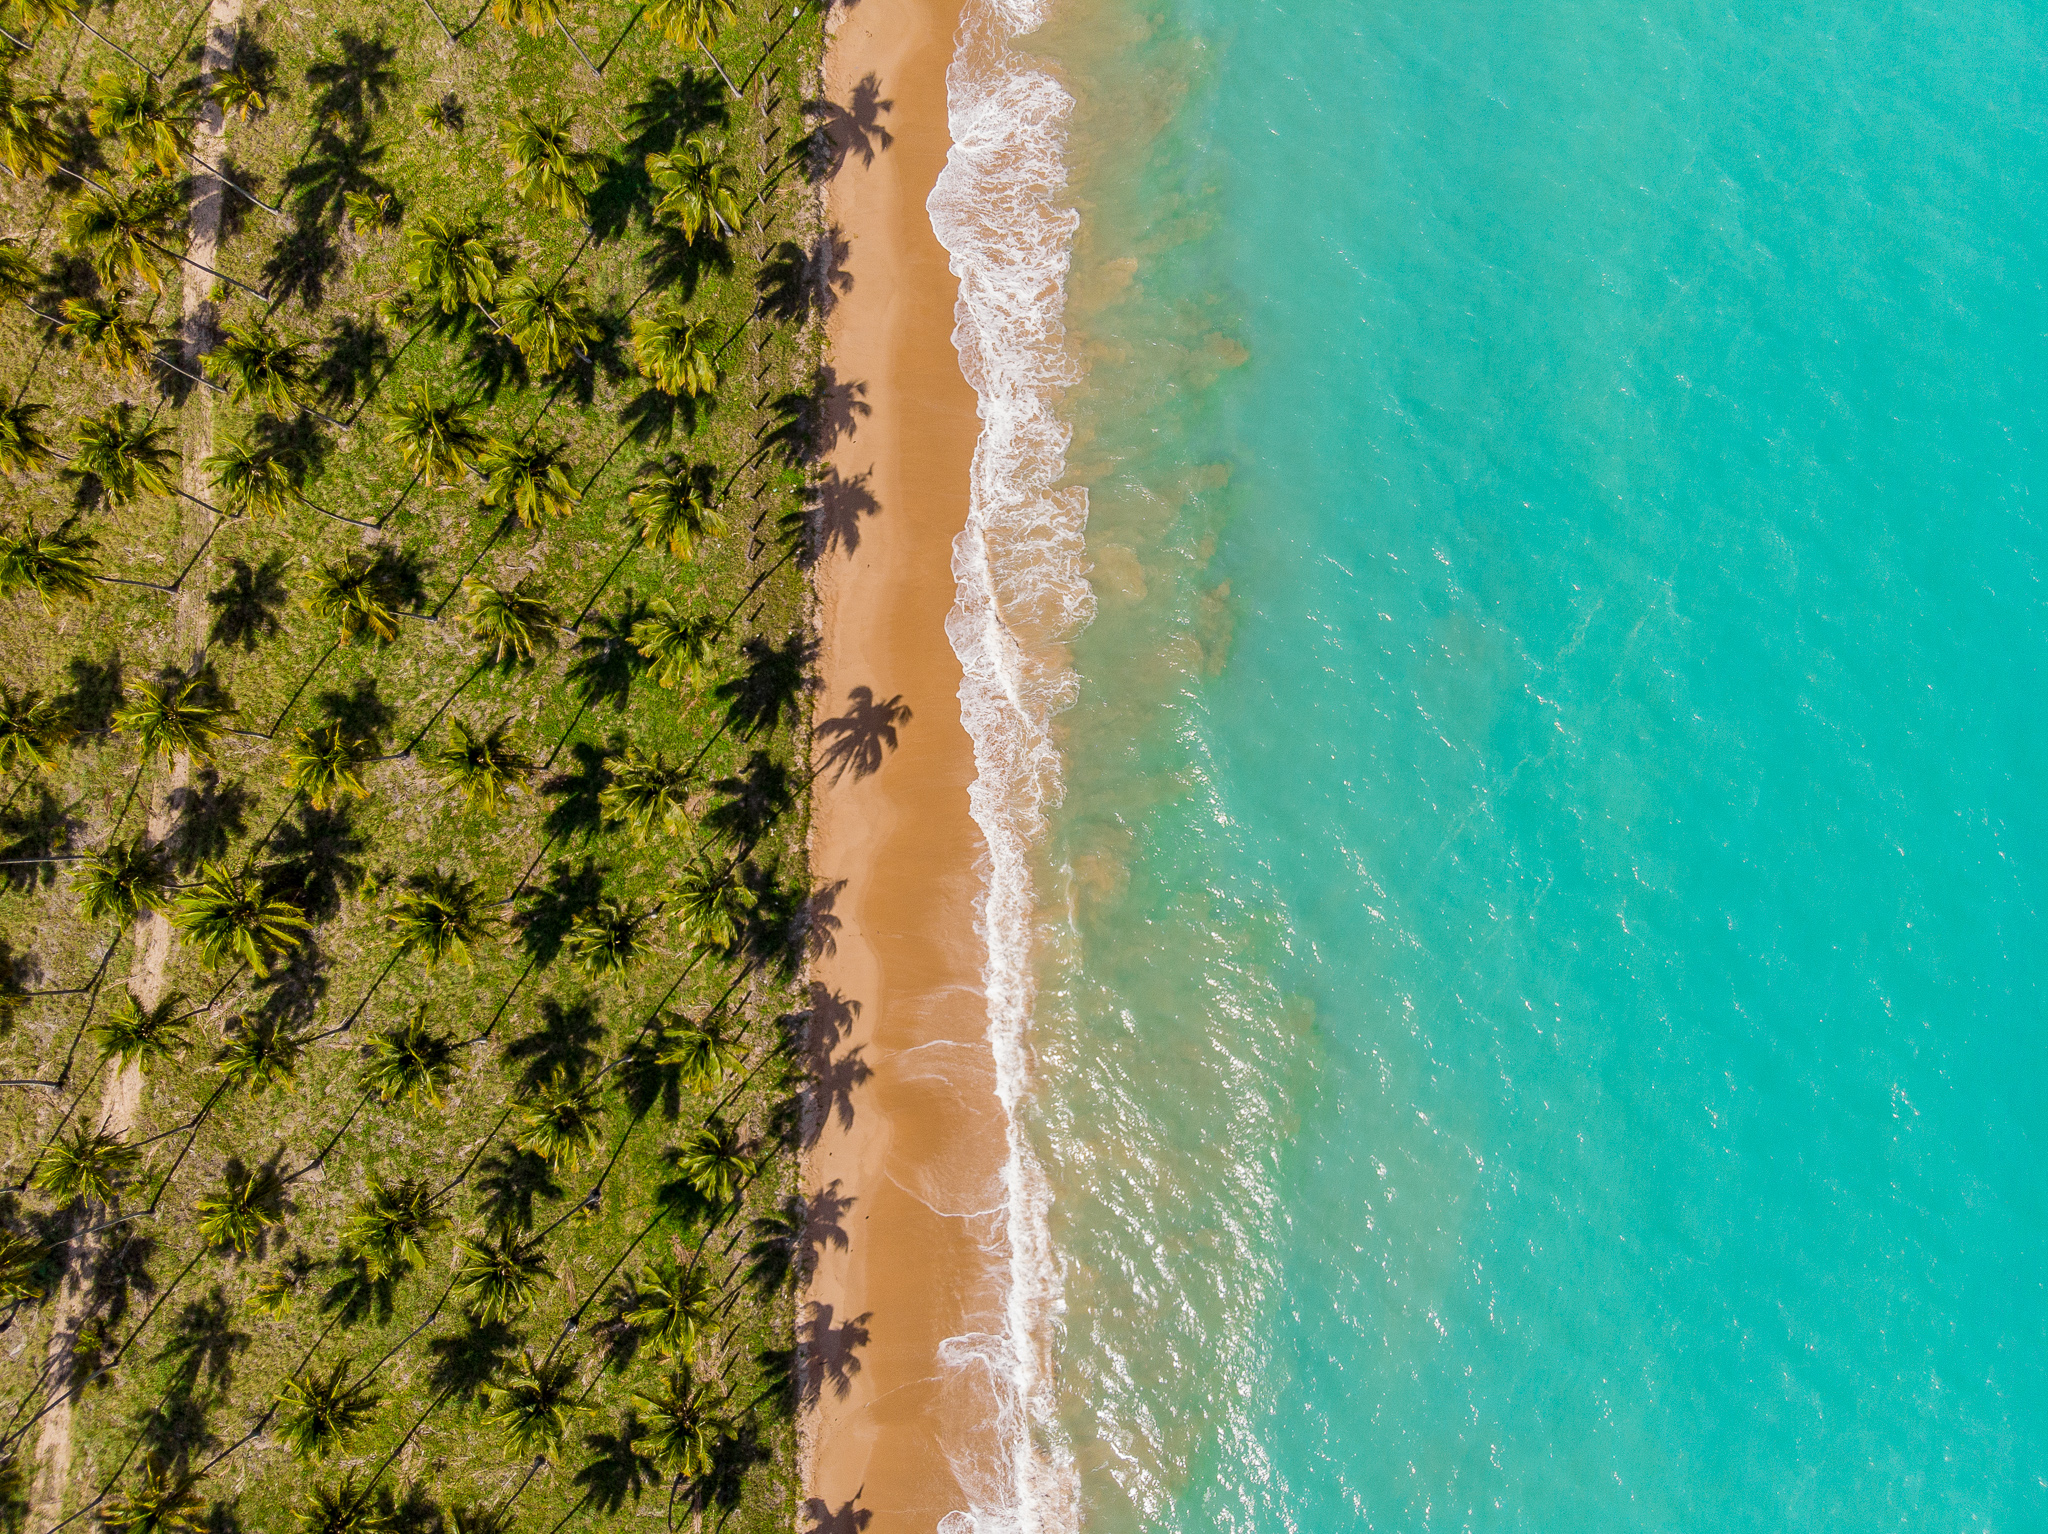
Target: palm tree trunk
264,841
349,1021
92,1000
481,666
579,49
705,49
614,570
332,1140
631,22
154,74
435,13
215,172
284,712
598,1288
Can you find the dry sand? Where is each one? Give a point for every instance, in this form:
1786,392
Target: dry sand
909,1134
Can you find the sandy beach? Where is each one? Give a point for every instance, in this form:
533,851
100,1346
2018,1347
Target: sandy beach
908,1135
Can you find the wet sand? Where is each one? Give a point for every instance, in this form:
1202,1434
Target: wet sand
909,1135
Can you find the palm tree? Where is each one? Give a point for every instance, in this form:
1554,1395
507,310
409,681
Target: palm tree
528,480
114,339
547,167
533,1405
232,917
32,727
670,506
88,1164
712,1162
23,1268
253,477
29,145
326,765
672,1305
691,23
700,1055
234,1218
437,438
500,1277
605,939
52,565
410,1061
649,793
239,92
151,131
452,260
560,1122
683,1433
319,1412
176,714
442,915
510,623
132,1034
670,351
549,325
160,1503
20,274
696,190
533,16
673,642
486,768
261,1052
386,1230
122,881
257,363
711,908
123,237
343,1509
356,594
22,443
125,453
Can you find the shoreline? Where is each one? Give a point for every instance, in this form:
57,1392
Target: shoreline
907,1140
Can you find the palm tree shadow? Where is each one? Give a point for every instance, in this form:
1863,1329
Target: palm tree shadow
858,740
359,83
465,1361
547,910
839,506
579,809
512,1180
828,1352
771,686
210,814
616,1471
843,1519
852,131
563,1045
246,609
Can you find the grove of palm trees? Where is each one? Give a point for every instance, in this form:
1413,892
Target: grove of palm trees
403,762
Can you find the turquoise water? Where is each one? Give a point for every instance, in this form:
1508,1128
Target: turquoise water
1541,956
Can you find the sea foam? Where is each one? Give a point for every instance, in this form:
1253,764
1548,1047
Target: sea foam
1022,592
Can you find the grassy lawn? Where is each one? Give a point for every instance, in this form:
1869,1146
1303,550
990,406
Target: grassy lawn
169,1347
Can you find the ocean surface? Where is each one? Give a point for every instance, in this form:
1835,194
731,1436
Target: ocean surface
1506,646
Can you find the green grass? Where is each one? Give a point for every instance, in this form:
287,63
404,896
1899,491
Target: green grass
206,1364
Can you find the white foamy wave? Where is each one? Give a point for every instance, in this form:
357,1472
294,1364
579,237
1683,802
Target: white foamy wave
1022,592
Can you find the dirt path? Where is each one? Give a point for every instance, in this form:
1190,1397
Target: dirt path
122,1096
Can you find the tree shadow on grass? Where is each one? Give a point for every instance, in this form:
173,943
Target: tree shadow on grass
547,910
563,1045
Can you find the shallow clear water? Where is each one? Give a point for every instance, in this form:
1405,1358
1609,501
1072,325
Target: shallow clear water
1541,955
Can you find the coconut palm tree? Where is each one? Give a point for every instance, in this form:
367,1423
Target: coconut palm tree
560,1122
410,1062
261,1053
694,24
88,1164
386,1231
498,1277
649,793
343,1509
437,437
256,363
672,1304
696,190
235,1217
452,261
441,915
683,1434
125,452
253,477
159,1501
22,443
547,167
528,480
532,16
32,728
712,1162
355,593
671,505
672,353
673,642
712,908
533,1405
318,1412
487,768
24,1263
326,765
122,880
132,1034
700,1055
231,916
29,143
239,92
509,622
123,236
174,715
606,938
550,325
115,339
150,129
52,565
